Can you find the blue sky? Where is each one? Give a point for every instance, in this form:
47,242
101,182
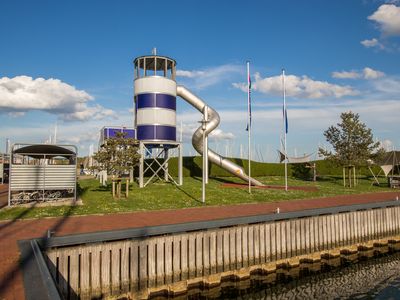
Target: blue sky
70,63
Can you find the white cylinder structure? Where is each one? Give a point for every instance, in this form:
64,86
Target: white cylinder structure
155,99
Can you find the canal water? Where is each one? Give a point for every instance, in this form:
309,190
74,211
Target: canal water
377,278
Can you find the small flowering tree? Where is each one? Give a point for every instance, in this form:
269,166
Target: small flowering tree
118,155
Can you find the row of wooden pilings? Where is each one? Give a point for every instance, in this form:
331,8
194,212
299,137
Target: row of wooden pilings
170,263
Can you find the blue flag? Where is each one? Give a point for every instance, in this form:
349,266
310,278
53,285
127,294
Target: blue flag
285,119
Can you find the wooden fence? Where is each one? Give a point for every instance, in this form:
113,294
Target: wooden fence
111,268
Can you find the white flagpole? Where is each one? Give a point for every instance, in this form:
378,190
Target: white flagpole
284,127
249,121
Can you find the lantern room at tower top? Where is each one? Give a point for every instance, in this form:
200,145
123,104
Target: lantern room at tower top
155,65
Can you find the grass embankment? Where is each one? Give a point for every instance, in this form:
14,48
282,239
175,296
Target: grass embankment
98,200
192,167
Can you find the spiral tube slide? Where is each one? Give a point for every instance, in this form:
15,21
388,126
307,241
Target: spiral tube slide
197,139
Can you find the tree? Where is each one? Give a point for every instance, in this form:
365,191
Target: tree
351,140
118,155
353,145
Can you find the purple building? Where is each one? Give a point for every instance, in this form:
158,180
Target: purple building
109,132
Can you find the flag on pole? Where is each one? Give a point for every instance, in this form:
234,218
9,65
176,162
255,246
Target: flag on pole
285,118
285,125
249,119
284,110
248,97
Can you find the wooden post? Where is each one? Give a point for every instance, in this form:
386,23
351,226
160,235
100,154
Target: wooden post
117,187
127,188
348,176
314,172
113,188
344,177
119,184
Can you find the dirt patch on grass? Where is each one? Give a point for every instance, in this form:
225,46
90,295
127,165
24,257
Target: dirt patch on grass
275,187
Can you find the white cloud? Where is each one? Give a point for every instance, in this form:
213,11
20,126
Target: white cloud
188,129
200,79
218,134
299,87
90,136
23,93
309,117
366,73
388,19
387,145
372,74
16,114
346,75
387,86
189,74
84,113
372,43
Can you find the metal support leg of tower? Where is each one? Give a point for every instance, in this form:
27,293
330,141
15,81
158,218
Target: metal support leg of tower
166,158
141,164
180,164
154,166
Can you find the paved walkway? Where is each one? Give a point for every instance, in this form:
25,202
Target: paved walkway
11,286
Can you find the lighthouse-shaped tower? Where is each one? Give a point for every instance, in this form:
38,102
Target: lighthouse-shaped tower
155,120
155,98
155,114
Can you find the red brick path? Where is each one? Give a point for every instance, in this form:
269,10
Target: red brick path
11,286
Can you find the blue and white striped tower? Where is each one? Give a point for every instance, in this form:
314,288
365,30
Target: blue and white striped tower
155,114
155,99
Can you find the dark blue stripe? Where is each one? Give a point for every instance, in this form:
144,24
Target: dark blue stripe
145,132
165,133
156,132
156,100
166,101
146,100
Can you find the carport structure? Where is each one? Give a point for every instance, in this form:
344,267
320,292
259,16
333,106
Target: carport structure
42,172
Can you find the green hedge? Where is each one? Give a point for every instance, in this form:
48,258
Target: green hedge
192,166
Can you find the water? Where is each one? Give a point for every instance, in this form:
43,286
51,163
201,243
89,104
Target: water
377,278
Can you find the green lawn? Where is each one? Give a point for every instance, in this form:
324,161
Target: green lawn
160,195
